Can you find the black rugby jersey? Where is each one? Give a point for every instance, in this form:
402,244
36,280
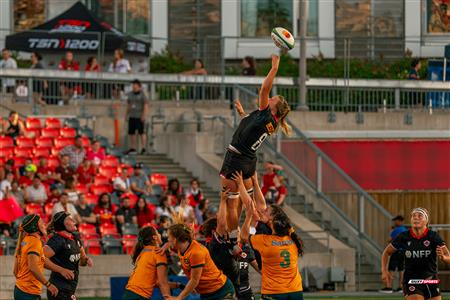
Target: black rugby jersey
420,253
67,255
253,130
247,256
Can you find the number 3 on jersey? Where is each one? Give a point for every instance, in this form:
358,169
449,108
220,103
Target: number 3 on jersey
259,142
286,259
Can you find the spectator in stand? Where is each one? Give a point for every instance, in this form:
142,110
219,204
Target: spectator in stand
121,183
140,184
105,210
39,86
174,191
45,172
14,127
199,69
164,208
64,171
85,211
145,213
268,176
7,62
27,179
414,71
36,192
276,193
17,193
91,66
137,112
248,66
75,152
68,64
71,191
163,228
119,65
22,169
96,153
8,167
86,172
200,211
6,184
185,209
125,214
55,194
66,206
195,194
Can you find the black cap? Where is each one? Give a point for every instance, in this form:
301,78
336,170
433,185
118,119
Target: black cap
136,81
398,218
10,162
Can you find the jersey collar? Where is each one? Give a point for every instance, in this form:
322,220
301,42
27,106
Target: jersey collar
68,236
413,234
187,248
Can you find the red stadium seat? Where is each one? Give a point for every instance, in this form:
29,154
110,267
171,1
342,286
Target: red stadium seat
41,151
100,189
34,208
6,152
53,123
24,142
86,142
68,132
160,179
32,132
62,142
110,161
48,208
50,132
53,162
82,188
23,152
108,229
19,161
2,161
6,142
33,123
100,180
109,172
44,142
87,229
129,241
130,169
92,244
91,199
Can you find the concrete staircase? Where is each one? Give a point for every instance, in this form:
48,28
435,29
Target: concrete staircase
160,163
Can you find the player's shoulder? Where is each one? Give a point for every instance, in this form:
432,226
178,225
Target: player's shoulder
433,234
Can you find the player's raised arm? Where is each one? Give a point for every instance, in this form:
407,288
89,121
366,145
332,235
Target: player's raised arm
267,83
222,214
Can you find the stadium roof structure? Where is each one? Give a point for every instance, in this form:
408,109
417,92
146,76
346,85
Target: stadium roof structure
78,30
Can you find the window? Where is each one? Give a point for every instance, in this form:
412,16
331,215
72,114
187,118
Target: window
437,17
259,17
28,14
129,16
312,27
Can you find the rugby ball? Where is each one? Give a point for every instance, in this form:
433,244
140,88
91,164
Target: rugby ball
283,38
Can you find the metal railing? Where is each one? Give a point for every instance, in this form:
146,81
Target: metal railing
323,94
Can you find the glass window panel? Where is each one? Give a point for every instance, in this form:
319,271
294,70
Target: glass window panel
313,18
259,17
28,14
138,16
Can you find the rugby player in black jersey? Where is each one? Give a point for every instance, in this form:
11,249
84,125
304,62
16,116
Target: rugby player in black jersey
421,246
65,249
248,137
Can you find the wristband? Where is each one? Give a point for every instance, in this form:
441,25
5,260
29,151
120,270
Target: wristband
47,284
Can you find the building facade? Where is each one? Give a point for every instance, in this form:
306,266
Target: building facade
236,28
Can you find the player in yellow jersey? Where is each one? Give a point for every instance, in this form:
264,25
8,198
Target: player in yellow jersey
150,268
279,250
30,260
204,277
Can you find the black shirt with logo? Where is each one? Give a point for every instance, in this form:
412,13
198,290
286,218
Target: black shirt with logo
67,255
420,253
253,130
127,212
247,256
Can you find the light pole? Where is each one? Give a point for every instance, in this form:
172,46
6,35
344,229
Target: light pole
302,60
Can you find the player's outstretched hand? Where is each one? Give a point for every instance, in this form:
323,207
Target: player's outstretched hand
89,262
237,177
255,178
163,249
443,252
275,61
67,274
239,108
53,290
386,276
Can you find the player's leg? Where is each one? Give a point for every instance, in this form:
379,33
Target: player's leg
232,203
415,297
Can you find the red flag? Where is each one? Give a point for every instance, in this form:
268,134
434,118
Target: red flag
10,210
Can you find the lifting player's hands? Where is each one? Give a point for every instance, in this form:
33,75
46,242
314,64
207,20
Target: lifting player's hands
67,274
443,253
237,177
89,262
239,108
275,61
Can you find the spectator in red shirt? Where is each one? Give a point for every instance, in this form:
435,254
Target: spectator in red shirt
64,171
277,193
174,191
91,66
86,172
68,88
55,194
145,212
105,210
46,173
96,153
268,176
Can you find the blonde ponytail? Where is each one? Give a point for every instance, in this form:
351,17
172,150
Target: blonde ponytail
17,253
283,110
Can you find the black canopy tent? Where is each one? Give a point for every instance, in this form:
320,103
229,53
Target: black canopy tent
76,29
